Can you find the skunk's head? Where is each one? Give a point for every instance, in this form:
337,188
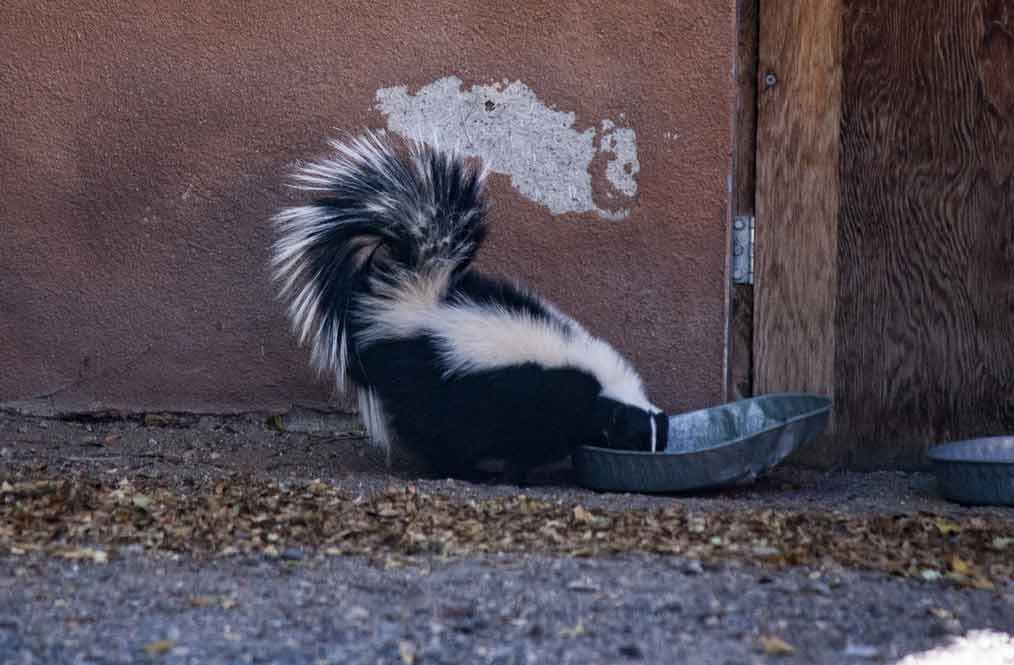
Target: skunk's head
625,427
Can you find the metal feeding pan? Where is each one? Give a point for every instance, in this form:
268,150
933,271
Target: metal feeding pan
710,448
977,471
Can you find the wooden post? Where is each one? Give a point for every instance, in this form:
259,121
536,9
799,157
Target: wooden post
798,193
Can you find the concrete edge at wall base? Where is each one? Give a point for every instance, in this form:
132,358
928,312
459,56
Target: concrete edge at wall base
303,417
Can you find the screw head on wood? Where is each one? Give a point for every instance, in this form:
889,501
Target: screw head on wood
770,79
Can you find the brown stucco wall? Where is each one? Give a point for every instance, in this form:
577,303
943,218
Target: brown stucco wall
143,144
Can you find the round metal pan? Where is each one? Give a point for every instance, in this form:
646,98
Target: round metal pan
977,471
710,448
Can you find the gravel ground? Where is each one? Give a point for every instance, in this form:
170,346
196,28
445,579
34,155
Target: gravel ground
495,610
305,607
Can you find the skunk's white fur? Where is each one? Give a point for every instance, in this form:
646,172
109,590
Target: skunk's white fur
376,275
473,338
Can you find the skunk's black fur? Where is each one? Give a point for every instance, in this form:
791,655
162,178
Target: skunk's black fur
455,365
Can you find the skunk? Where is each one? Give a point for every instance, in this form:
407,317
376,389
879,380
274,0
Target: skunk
456,366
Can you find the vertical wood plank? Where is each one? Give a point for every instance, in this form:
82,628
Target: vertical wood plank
925,318
745,155
799,101
743,191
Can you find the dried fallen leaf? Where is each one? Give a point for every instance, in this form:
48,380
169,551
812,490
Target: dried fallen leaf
577,630
357,613
776,646
141,501
85,553
32,488
157,419
318,486
583,584
582,514
1002,543
946,527
766,551
159,647
960,566
407,652
211,601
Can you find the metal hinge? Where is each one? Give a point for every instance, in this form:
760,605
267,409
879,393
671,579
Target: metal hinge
742,249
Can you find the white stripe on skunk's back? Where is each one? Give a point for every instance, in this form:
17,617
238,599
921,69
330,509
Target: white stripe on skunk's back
475,337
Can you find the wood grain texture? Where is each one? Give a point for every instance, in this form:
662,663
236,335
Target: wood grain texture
743,188
797,196
925,315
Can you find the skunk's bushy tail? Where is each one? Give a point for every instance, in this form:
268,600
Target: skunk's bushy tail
386,216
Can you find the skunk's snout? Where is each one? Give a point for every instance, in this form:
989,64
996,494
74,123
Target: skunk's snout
626,427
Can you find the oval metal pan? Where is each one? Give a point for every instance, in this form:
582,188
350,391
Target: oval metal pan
977,471
710,448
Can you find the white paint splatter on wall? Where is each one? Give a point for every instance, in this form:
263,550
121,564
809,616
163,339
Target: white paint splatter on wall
547,159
